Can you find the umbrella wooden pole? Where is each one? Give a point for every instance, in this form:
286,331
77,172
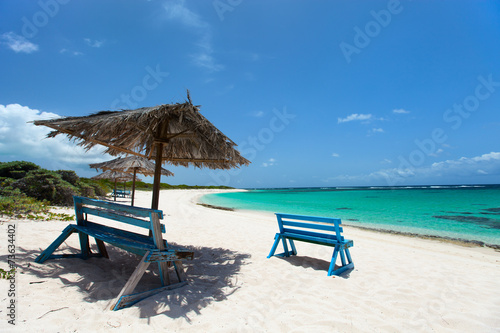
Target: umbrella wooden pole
157,177
133,186
115,189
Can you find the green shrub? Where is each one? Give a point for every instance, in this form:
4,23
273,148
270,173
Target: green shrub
99,190
6,186
70,176
86,190
47,185
100,187
16,169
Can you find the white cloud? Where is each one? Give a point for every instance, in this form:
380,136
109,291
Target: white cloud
375,131
269,163
462,170
22,140
66,51
18,43
400,111
468,163
485,157
177,11
335,155
207,61
438,152
94,43
258,114
355,117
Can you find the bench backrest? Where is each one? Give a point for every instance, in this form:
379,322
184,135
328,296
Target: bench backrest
329,227
137,216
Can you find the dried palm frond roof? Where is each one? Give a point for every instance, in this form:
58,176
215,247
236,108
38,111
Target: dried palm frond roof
128,164
114,175
188,138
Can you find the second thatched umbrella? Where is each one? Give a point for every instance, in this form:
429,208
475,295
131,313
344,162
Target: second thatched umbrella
131,164
116,176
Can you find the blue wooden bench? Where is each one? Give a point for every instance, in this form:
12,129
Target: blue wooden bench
305,228
121,193
152,247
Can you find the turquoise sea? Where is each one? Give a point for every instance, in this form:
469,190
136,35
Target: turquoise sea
469,212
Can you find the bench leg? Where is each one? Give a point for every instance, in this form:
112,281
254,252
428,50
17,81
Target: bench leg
348,254
285,247
125,298
275,245
342,257
292,245
287,253
84,245
179,269
102,248
129,300
345,266
164,277
132,281
55,244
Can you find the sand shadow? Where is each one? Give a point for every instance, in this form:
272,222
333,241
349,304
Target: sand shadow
314,263
211,278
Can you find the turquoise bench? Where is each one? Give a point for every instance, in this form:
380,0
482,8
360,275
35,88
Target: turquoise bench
121,193
152,247
305,228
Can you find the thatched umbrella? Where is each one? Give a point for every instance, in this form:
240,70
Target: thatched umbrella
130,164
173,133
116,176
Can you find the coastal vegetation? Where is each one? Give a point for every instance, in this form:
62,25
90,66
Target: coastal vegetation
28,191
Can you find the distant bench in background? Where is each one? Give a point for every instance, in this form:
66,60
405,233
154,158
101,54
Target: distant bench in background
305,228
152,247
121,193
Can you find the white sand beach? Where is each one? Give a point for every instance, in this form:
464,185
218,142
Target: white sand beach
399,284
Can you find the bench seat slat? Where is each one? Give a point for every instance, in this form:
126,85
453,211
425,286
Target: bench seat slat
120,218
325,227
117,217
117,237
317,240
328,237
138,211
330,220
310,239
123,233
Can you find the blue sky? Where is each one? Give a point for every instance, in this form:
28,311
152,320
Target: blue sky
323,93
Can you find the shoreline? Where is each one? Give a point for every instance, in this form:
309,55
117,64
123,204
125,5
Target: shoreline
445,239
458,241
